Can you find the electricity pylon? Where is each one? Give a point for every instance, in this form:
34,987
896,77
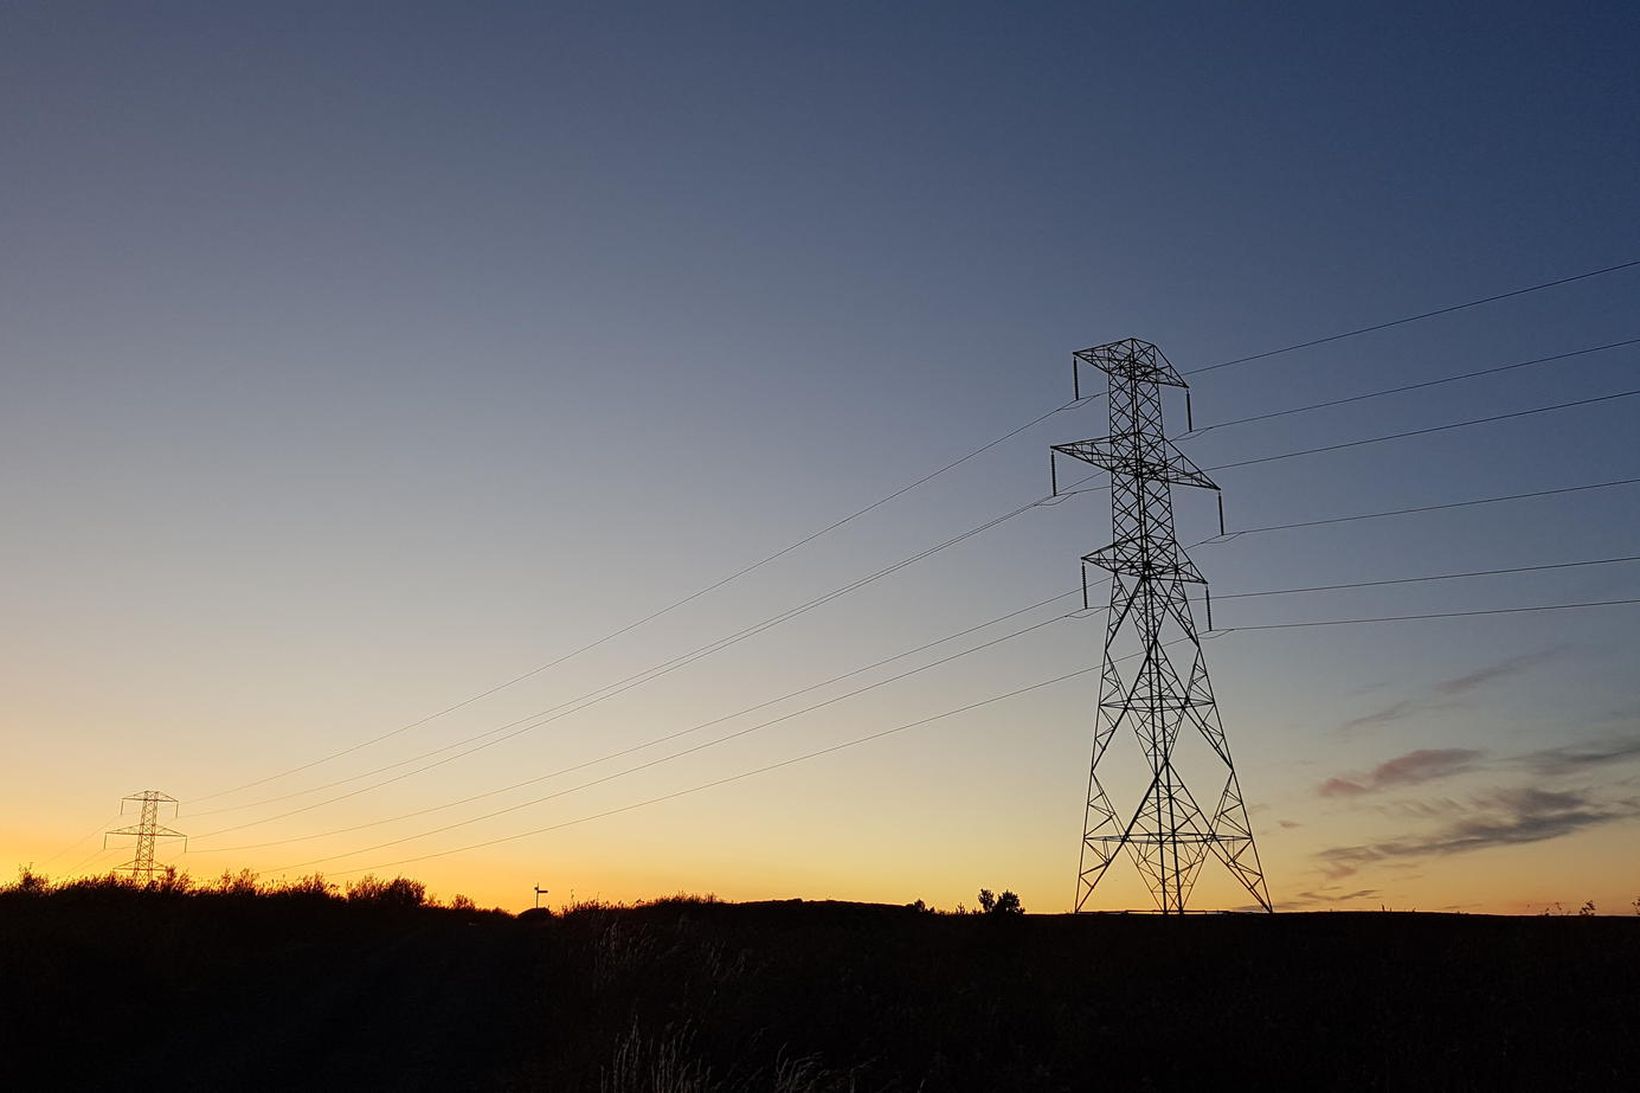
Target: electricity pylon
1168,835
146,829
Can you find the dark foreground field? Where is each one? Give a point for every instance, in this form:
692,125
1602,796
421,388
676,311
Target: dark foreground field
105,989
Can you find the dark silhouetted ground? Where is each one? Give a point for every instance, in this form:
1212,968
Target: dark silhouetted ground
108,988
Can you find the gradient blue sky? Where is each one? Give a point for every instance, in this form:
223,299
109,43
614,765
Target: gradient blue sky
358,357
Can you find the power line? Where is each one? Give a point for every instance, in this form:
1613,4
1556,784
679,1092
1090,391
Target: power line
1415,318
652,616
576,705
817,706
666,667
1426,508
712,743
1414,386
1427,430
857,741
949,713
591,698
681,732
98,830
1434,577
1432,615
88,859
861,512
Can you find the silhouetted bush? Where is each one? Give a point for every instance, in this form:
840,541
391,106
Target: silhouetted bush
399,892
30,883
310,887
677,899
171,882
242,883
1005,904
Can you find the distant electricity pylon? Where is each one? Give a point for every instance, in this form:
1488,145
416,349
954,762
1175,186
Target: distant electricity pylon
146,829
1168,835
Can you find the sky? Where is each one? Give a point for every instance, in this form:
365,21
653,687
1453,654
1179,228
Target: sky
358,359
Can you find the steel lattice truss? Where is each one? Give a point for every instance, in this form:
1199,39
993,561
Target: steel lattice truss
1159,690
146,829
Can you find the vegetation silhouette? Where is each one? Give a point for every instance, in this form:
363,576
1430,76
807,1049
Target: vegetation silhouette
248,984
1005,904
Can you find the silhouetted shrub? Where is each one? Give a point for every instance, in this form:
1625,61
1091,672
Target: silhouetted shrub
171,882
398,892
106,882
1006,904
242,883
679,899
30,883
310,887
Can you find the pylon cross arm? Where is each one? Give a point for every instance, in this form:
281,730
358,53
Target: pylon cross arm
1119,455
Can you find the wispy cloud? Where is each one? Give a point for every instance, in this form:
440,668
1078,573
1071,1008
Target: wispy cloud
1423,765
1505,817
1324,895
1446,693
1513,666
1577,758
1395,711
1514,816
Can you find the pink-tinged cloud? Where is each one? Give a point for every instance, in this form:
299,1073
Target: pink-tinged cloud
1423,765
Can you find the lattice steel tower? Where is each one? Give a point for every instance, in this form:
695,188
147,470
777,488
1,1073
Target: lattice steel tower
1155,678
146,829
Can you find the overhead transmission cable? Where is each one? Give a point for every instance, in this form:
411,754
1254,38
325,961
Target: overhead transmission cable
898,656
1544,567
1429,429
1609,484
669,757
495,736
637,679
882,501
1448,310
1404,435
98,830
1413,386
688,731
1466,574
743,775
871,737
652,616
87,860
1529,609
